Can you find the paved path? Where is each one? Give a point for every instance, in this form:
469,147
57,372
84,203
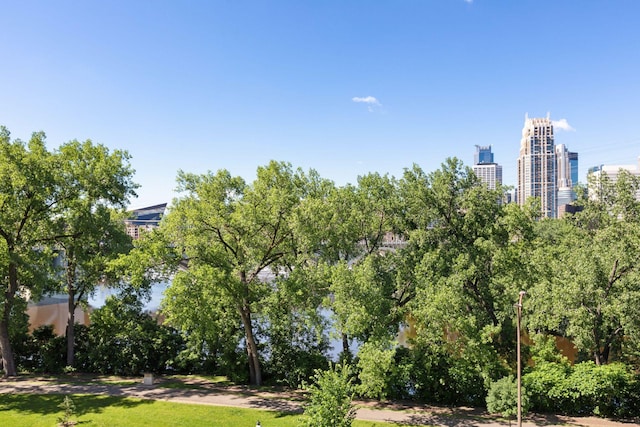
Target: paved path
292,402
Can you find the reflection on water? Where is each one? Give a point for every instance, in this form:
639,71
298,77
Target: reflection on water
98,299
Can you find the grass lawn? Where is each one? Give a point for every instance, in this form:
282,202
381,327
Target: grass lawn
31,410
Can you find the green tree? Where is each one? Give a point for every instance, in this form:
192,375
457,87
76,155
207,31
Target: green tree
32,195
467,251
39,191
90,232
356,223
588,286
237,238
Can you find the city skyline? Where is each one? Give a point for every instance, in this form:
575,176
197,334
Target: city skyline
342,88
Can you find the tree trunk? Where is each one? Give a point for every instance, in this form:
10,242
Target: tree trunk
71,326
345,346
255,372
8,361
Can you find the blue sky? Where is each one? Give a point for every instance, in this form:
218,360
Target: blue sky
345,87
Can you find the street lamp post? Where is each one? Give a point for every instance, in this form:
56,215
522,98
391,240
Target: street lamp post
519,317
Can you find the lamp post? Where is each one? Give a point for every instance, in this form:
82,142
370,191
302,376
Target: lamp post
519,317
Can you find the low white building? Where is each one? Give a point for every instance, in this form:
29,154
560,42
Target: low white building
612,173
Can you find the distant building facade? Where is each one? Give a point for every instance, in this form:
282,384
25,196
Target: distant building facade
484,167
483,155
567,175
611,172
144,219
537,165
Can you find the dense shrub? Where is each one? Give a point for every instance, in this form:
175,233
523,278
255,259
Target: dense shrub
330,397
502,398
41,351
583,389
375,365
429,375
123,340
545,383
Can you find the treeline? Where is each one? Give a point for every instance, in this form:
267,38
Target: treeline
265,273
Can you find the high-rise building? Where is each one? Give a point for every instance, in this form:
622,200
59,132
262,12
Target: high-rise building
564,172
483,155
537,165
489,172
573,165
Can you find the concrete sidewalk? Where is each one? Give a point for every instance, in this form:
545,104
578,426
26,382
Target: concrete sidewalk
292,402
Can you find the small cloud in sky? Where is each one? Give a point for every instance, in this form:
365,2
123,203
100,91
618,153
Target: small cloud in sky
562,124
371,101
468,1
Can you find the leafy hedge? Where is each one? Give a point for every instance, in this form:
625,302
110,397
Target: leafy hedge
584,389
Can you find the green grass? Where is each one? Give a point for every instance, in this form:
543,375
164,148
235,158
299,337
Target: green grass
19,410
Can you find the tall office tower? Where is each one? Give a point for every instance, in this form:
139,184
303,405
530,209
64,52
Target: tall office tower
573,165
564,174
483,155
489,172
537,165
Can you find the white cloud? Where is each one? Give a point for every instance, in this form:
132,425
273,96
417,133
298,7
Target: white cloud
366,99
371,101
468,1
562,124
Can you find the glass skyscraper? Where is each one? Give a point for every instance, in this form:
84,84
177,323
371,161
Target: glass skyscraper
483,155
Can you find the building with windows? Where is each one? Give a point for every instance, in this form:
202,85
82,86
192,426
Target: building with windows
144,219
483,155
612,172
489,172
567,174
537,165
573,166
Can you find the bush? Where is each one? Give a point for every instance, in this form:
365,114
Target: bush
597,390
123,340
376,363
583,389
503,398
545,383
330,398
46,351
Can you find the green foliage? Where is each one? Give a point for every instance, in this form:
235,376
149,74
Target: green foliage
583,389
42,351
330,396
375,366
53,202
430,374
125,341
467,251
587,285
233,235
503,398
295,344
545,382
